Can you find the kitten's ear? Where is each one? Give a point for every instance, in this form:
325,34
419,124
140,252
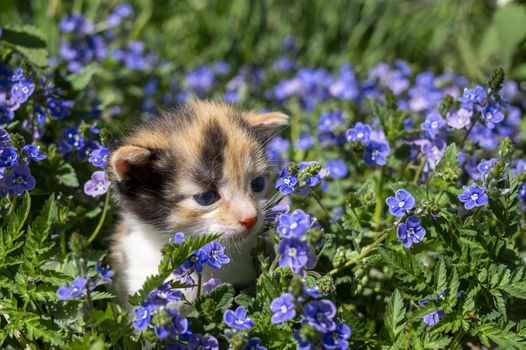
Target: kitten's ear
266,125
129,159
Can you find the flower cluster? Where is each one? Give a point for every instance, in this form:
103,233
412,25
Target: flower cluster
82,285
410,231
212,255
318,314
293,249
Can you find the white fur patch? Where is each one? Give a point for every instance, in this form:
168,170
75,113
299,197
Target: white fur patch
142,248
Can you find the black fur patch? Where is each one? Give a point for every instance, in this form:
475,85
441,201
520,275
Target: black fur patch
209,169
142,191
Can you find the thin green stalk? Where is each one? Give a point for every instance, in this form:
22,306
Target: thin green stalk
102,218
419,170
458,339
467,134
379,202
362,254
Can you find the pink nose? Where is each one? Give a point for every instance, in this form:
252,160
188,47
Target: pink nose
248,223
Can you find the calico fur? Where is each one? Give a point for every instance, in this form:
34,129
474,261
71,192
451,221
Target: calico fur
160,168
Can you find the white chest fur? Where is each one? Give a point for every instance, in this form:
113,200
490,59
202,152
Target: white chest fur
142,245
142,250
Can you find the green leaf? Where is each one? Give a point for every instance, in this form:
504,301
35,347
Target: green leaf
394,315
66,175
407,267
440,276
80,80
505,338
27,40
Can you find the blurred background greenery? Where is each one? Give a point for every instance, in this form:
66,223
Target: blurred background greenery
471,37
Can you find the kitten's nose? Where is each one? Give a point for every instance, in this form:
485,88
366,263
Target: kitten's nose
248,223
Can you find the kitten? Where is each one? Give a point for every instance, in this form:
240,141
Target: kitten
199,169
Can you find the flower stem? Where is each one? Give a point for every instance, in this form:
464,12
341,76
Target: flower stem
469,132
419,170
362,254
199,282
102,218
379,202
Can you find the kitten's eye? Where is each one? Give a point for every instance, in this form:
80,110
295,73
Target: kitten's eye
258,184
207,198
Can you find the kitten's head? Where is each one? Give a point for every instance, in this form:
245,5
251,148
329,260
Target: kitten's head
199,169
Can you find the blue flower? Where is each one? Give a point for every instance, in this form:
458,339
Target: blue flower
200,81
473,196
313,292
8,157
58,107
433,124
401,202
70,140
337,339
104,272
177,238
76,24
360,132
75,290
293,253
97,185
286,183
215,253
211,284
33,152
19,180
199,342
485,166
238,319
133,55
433,318
163,295
254,344
337,168
475,96
304,142
376,153
99,157
184,275
4,137
320,314
22,89
329,120
411,231
459,119
522,191
492,115
142,318
283,308
196,261
293,225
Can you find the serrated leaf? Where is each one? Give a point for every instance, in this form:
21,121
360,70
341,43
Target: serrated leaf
440,276
505,338
394,315
406,266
